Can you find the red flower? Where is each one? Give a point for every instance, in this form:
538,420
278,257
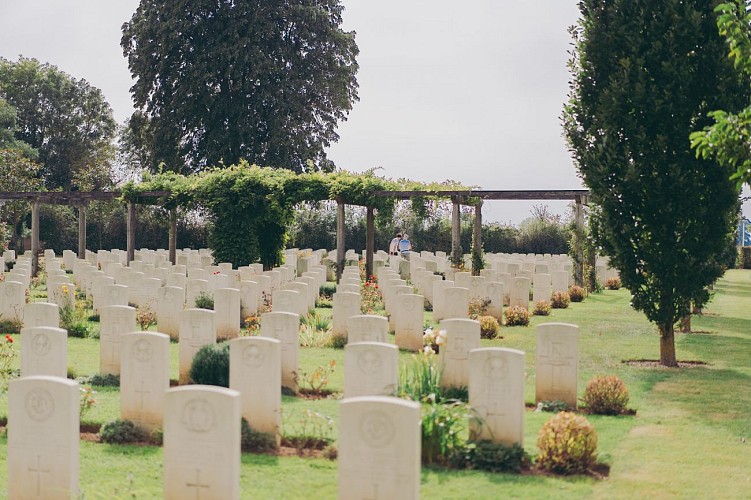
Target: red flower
8,338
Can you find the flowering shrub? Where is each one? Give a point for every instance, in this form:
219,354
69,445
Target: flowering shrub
489,327
478,307
613,283
433,340
516,316
371,299
419,376
87,400
606,395
576,293
205,300
560,300
443,426
252,325
7,356
541,308
145,317
567,443
316,381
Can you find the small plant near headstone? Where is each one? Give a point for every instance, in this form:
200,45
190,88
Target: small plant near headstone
560,300
567,444
315,382
489,327
205,300
576,293
74,317
613,283
606,395
419,377
108,380
516,316
478,307
252,325
337,341
371,299
8,355
254,441
10,325
311,431
145,317
433,340
317,321
122,432
87,400
491,457
551,406
443,427
211,365
327,290
313,337
542,308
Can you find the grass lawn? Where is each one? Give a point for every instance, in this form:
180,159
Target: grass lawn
690,438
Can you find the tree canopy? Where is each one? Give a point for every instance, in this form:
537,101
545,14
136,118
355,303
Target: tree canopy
645,74
66,120
219,82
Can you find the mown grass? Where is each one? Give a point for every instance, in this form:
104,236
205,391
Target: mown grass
690,438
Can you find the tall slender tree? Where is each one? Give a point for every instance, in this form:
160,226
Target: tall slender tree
645,74
224,80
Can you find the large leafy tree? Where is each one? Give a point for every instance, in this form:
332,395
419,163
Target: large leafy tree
66,120
645,74
222,81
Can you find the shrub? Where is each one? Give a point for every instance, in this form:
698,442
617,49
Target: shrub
542,308
108,380
211,365
87,401
613,283
121,432
560,300
419,377
255,441
567,444
75,319
205,300
145,317
338,341
443,426
493,457
488,327
745,257
478,307
516,316
576,293
315,382
327,290
606,395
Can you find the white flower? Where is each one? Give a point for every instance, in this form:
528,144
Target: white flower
441,339
428,350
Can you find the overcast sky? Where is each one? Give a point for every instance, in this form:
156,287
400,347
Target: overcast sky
470,91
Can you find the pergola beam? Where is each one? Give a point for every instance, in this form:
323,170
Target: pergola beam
559,194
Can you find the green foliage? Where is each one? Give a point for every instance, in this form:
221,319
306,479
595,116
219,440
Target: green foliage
478,307
606,395
745,257
205,300
316,381
211,365
254,441
443,426
108,380
567,444
235,85
337,341
17,173
489,327
613,283
516,316
576,293
491,457
560,300
122,432
552,406
66,120
664,216
327,290
419,377
542,308
74,318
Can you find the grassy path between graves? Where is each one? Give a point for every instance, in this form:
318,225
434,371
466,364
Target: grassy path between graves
690,438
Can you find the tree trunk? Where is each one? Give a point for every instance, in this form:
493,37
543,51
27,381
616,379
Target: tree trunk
686,324
667,346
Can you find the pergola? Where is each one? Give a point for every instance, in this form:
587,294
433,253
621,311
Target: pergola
474,198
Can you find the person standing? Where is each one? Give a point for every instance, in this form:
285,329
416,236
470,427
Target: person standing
394,245
405,246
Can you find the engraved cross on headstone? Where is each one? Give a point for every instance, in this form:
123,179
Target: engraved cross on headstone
141,392
197,484
39,471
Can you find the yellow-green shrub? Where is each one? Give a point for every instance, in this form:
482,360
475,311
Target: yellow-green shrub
542,308
613,283
567,443
488,327
606,395
560,300
576,293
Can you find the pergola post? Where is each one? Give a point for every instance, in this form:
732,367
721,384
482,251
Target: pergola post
173,235
456,244
369,242
340,244
34,237
477,263
579,257
131,233
82,231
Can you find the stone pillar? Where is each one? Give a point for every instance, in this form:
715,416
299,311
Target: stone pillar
369,242
340,244
456,244
34,237
82,231
131,234
173,236
477,240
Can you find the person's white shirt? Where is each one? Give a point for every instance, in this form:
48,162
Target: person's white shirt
394,246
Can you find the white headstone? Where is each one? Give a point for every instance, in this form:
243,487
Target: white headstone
409,322
144,377
169,305
41,314
44,351
370,369
519,292
113,321
346,305
367,328
462,335
196,330
227,309
285,327
557,364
